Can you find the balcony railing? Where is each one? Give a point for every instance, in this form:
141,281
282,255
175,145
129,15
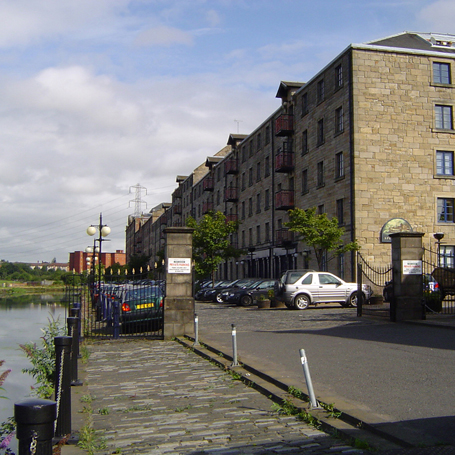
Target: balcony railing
232,217
207,207
231,166
284,125
177,209
284,237
208,184
284,162
284,200
231,194
178,192
163,219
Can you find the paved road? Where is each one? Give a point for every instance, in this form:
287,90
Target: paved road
399,377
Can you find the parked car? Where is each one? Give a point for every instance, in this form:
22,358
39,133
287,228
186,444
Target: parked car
247,295
211,294
141,308
199,295
301,288
430,285
237,285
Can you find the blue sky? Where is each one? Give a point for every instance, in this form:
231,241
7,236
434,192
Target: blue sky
98,96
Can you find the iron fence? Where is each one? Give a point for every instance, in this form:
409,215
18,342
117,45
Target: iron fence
115,306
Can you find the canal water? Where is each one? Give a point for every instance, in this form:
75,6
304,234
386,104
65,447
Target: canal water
21,321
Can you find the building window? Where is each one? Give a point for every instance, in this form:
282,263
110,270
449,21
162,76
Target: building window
258,203
339,126
321,209
444,163
267,232
445,210
341,266
258,234
250,176
243,181
267,166
305,181
320,91
250,206
441,73
259,141
243,154
339,165
305,108
340,211
243,210
250,236
251,148
320,132
446,256
338,76
267,199
243,239
320,173
443,117
267,135
258,172
305,142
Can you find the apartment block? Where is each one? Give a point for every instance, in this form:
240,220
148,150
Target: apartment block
369,139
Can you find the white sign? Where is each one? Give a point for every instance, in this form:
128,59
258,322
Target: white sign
412,267
179,265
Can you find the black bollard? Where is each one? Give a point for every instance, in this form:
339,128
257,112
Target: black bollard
35,420
63,385
73,325
116,318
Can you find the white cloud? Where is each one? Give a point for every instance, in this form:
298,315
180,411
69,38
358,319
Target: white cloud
163,36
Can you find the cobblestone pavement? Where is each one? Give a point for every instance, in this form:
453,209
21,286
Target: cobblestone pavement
154,397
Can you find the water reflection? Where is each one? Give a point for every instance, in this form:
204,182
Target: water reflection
21,321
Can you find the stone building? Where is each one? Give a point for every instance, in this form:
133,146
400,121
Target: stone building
369,139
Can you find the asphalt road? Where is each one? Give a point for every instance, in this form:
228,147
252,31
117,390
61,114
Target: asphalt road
399,377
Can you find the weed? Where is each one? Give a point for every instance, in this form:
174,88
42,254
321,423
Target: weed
184,408
297,393
285,408
103,411
309,419
89,440
331,411
359,444
86,399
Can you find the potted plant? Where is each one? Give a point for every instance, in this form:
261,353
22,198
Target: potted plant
262,301
275,303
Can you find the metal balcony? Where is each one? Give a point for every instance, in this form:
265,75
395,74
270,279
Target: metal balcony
284,125
177,209
284,161
231,166
284,200
208,184
207,207
284,237
231,194
232,217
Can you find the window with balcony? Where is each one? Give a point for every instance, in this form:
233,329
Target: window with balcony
441,73
443,117
445,208
339,165
444,163
339,120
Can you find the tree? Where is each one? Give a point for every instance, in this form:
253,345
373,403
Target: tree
211,242
320,232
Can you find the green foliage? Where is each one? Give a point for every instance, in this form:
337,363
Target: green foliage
319,232
43,358
10,271
211,242
137,263
3,377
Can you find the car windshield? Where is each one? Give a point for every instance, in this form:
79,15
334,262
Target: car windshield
143,293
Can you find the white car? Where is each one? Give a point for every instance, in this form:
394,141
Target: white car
301,288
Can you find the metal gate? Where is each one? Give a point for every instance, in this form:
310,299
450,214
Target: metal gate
118,306
438,284
379,278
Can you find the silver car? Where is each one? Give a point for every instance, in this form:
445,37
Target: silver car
301,288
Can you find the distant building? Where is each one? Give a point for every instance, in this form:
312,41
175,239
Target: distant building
49,265
81,261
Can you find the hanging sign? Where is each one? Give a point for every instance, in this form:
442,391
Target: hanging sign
179,265
392,226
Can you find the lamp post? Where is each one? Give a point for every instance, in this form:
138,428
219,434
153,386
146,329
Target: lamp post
439,236
103,231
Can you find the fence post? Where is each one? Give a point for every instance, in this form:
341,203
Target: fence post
73,333
63,385
116,318
35,426
359,289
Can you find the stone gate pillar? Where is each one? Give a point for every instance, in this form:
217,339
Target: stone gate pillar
179,301
407,254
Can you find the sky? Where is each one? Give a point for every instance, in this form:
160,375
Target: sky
98,97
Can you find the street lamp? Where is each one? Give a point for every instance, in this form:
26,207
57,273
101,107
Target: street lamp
439,236
104,231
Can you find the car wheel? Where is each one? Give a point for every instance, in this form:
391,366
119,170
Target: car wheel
301,302
219,299
246,300
353,300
